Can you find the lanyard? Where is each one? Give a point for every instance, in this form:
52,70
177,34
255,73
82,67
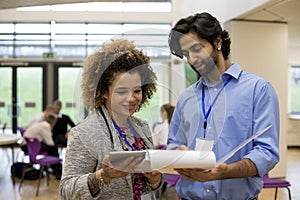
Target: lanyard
124,138
106,122
206,114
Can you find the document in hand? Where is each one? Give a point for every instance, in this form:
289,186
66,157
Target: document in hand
166,160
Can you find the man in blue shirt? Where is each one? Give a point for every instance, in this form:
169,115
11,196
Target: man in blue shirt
226,105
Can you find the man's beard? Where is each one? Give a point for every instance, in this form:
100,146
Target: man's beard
210,63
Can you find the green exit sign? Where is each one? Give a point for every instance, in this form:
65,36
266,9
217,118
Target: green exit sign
48,55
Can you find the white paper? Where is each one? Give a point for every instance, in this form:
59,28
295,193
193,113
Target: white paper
166,160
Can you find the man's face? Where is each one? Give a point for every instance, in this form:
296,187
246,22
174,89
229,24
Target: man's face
57,108
199,53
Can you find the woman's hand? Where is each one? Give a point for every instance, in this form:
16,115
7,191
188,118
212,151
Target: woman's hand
121,170
154,178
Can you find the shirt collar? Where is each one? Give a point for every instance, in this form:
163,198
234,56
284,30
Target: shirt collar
59,115
233,71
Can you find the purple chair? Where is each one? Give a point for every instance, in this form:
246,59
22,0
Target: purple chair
34,148
170,181
276,183
22,131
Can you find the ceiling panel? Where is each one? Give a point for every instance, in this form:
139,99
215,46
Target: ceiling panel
7,4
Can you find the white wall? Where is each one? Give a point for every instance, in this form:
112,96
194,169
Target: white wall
294,55
262,48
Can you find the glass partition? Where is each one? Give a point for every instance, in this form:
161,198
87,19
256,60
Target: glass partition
5,96
29,93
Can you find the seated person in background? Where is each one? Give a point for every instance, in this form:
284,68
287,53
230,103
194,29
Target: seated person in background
42,116
42,131
160,131
60,129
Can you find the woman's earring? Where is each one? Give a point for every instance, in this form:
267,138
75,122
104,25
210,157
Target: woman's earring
219,48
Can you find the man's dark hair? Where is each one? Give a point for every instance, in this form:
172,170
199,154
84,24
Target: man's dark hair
205,26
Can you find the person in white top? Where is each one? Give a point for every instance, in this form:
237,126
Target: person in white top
161,130
43,132
42,116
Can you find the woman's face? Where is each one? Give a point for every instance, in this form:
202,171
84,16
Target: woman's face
164,115
124,95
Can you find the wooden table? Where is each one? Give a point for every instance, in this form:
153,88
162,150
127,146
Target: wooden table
10,140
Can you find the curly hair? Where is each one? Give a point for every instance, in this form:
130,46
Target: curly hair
205,26
101,68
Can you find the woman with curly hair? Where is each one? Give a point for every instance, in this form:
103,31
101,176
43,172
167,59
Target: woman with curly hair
116,82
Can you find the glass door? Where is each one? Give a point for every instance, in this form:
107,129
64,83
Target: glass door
69,91
5,97
29,94
21,95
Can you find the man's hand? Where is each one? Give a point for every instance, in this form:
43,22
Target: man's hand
204,175
182,147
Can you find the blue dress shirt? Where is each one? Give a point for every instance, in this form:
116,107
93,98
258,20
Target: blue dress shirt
246,105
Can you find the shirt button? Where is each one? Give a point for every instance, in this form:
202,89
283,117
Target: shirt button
207,190
215,89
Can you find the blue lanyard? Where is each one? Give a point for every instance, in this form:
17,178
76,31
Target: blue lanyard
206,114
124,138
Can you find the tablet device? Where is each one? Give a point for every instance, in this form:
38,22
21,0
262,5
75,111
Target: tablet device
117,157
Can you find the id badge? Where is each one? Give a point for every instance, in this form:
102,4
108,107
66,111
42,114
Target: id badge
204,145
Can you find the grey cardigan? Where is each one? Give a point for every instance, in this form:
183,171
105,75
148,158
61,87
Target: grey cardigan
88,143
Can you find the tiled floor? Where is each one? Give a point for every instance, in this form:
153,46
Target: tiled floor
10,192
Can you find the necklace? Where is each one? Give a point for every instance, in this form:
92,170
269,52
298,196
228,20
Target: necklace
124,137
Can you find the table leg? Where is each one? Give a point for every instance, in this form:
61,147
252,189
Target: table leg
13,164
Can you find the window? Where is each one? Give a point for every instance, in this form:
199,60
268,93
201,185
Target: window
151,112
7,28
78,40
70,92
295,90
190,75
